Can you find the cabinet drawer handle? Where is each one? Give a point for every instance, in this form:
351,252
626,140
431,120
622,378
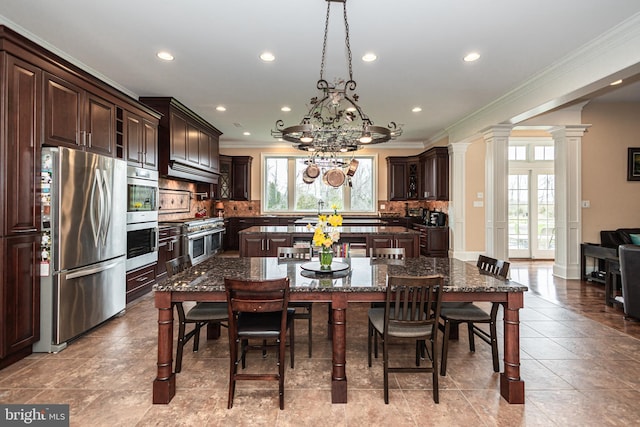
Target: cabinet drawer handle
29,230
142,279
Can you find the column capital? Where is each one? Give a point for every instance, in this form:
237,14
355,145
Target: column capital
458,147
497,131
568,131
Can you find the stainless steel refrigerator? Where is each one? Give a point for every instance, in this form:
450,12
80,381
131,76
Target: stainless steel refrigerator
84,241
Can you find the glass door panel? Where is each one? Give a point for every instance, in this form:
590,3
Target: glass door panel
518,188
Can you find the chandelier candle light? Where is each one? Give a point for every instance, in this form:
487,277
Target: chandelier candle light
325,235
335,123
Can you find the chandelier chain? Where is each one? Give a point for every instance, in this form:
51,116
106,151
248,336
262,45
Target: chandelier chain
347,43
324,42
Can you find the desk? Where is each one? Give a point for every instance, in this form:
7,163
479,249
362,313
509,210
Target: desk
365,282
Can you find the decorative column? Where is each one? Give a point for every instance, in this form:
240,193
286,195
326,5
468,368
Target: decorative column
457,209
568,192
496,197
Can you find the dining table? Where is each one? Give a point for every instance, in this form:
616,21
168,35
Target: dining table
351,280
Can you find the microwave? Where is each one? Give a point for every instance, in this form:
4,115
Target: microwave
142,195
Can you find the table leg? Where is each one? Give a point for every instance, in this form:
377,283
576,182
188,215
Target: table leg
164,386
511,385
339,347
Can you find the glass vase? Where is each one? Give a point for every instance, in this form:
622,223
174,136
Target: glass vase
326,257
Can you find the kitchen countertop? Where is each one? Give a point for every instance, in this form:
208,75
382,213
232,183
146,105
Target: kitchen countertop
345,221
293,229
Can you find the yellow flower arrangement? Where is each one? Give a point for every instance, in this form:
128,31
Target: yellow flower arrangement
326,234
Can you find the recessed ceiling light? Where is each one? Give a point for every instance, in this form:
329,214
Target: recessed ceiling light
617,82
267,57
165,56
473,56
246,133
221,108
285,109
416,109
369,57
351,109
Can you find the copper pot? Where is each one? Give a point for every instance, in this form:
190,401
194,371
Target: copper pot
312,171
334,177
306,178
353,167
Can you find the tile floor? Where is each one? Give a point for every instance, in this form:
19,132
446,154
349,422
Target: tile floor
580,361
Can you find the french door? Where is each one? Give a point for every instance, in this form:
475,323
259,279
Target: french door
531,213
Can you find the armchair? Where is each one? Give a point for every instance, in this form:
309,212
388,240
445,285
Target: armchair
630,275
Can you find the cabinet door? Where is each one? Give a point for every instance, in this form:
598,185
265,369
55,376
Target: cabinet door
22,147
193,144
252,245
410,243
397,182
20,305
100,125
150,137
134,138
204,150
178,137
379,241
275,241
438,242
62,108
241,178
214,152
224,180
442,176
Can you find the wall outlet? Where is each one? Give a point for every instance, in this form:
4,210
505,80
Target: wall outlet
586,204
383,206
478,204
480,195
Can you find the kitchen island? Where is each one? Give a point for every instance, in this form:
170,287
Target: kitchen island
263,241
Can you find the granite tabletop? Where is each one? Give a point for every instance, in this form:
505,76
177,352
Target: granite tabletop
364,275
346,230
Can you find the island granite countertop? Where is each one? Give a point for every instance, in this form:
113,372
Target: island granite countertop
344,231
363,275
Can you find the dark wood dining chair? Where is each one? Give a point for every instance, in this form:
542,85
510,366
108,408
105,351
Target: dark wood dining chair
453,314
411,312
257,310
199,315
304,310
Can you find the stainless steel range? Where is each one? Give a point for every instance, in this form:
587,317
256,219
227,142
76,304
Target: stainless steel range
204,237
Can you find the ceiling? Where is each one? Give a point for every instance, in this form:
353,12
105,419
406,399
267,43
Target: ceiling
419,44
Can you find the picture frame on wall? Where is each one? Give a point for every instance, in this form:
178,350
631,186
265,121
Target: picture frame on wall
633,165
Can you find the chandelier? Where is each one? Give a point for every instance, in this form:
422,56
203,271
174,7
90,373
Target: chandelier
335,123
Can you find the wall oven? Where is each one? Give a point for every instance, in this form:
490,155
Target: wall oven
142,244
142,217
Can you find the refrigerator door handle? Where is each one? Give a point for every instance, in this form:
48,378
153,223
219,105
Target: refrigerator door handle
95,213
92,270
107,195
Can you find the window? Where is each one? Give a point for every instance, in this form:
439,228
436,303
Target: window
517,152
543,152
285,191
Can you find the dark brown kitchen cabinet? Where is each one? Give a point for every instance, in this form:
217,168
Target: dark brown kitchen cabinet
19,297
233,227
434,241
224,180
188,146
263,244
21,92
170,246
78,118
241,178
141,140
403,178
434,166
410,243
140,281
20,176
